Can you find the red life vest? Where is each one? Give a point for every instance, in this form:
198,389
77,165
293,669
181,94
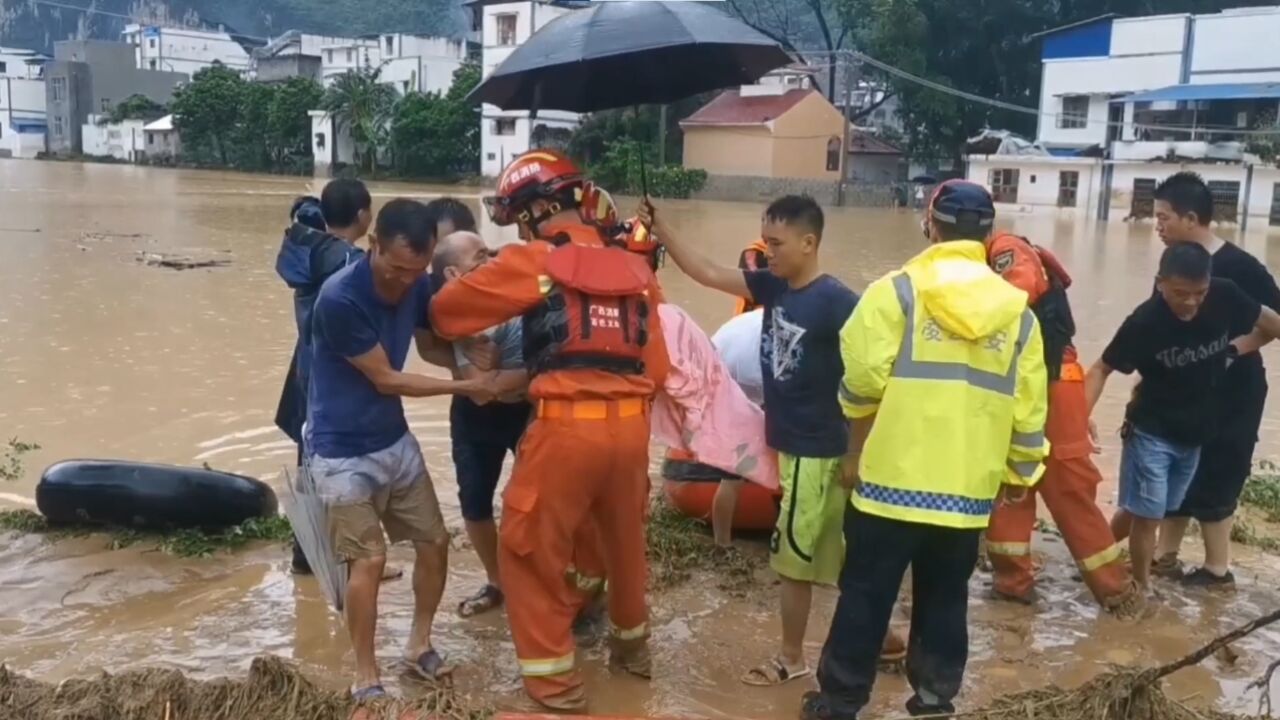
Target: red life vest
596,311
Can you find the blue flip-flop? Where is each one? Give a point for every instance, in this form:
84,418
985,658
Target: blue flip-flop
367,694
430,665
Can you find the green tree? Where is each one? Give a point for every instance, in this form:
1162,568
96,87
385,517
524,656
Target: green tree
137,107
435,135
206,111
362,105
288,127
253,149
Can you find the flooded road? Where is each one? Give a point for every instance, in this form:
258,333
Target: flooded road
105,356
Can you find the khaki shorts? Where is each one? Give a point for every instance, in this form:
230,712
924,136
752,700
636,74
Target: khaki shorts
387,489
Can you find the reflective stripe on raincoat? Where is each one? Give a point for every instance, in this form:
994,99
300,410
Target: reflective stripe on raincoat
949,359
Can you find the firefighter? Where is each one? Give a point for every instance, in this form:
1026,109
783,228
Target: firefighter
1071,479
752,257
596,354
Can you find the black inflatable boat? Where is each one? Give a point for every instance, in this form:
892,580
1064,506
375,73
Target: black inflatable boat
144,495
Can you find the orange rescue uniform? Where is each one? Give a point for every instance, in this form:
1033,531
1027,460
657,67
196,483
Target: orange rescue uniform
1071,479
580,486
752,258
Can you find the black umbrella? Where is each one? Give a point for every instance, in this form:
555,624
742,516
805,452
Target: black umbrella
617,54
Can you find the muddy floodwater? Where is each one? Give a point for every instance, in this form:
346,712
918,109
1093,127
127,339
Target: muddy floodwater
104,353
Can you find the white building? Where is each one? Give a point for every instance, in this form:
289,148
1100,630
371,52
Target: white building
188,50
503,26
123,140
23,122
22,64
410,63
329,146
1146,97
162,144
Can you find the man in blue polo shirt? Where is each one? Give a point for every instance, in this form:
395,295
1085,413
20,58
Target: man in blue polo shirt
367,466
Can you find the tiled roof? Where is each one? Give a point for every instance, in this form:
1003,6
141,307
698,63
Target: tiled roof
731,108
861,143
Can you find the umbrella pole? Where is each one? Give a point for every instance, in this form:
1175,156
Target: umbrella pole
644,178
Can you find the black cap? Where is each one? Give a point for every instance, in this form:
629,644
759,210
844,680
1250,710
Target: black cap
960,202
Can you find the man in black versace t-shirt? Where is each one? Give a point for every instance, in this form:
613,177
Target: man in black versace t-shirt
1184,207
1180,342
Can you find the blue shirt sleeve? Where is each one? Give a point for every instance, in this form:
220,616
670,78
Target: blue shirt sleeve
343,326
765,287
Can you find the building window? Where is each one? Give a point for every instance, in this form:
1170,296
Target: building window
1275,204
833,154
58,126
506,29
391,45
504,126
1075,113
320,141
1226,200
1144,198
351,55
58,87
1004,185
329,54
4,68
151,43
1068,188
151,139
494,156
152,64
106,105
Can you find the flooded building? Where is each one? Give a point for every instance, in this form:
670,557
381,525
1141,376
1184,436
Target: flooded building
504,25
88,77
23,120
1127,101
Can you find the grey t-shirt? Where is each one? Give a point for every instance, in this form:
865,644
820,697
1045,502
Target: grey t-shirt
509,337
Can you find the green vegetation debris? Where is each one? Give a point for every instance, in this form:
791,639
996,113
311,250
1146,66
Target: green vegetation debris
11,465
680,546
182,543
1262,491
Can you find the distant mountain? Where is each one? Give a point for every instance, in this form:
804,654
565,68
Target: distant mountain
37,24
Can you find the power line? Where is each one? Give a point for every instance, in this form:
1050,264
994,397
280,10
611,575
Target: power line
1012,107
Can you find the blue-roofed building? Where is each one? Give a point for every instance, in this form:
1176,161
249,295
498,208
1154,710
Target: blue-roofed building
1127,101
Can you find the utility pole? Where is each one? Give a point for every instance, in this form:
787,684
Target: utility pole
849,84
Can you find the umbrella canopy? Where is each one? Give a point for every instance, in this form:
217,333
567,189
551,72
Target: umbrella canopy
618,54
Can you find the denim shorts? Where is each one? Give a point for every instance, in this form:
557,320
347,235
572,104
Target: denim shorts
1155,474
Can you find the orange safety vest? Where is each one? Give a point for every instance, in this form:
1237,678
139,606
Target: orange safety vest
751,258
1037,272
595,314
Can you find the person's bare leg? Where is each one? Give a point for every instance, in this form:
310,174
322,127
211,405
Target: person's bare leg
1121,524
362,616
1172,531
484,538
430,568
797,597
1217,546
1142,547
722,510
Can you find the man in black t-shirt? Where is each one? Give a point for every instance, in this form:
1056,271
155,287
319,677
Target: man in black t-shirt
1180,342
1184,207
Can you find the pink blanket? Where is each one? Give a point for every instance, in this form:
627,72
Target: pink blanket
703,411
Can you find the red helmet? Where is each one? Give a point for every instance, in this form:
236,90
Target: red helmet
536,175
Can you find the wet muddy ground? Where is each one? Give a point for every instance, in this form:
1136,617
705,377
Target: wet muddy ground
106,356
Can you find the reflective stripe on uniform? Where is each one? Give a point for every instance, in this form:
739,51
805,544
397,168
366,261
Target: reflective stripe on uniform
634,633
1025,470
544,284
854,398
544,668
907,367
1033,440
920,499
1097,560
1009,549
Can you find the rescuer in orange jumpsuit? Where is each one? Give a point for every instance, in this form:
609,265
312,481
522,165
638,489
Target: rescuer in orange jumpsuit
752,258
1071,479
596,353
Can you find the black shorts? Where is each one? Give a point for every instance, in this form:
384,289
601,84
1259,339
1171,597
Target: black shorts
1225,465
482,436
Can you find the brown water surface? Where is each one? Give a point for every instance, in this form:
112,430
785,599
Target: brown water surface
102,355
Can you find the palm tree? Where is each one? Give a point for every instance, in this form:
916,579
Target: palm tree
362,105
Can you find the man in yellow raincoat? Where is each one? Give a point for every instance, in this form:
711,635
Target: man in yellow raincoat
947,393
